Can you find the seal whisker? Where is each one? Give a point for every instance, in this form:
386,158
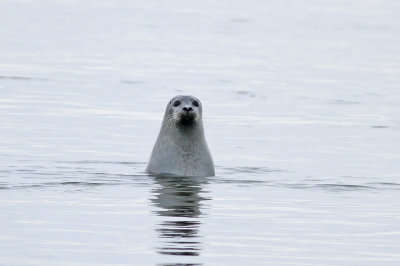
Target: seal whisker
171,122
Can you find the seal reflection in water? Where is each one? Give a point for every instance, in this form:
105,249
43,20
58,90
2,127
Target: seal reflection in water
181,148
179,200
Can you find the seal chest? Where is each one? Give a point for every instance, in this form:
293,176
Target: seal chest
181,148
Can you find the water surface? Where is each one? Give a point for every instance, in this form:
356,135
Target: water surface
301,113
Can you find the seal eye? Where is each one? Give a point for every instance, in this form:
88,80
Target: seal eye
196,103
176,103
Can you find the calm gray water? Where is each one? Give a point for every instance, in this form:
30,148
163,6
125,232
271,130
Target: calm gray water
301,106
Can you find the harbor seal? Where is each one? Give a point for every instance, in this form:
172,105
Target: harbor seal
181,148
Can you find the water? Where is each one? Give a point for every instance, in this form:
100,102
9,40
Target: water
301,107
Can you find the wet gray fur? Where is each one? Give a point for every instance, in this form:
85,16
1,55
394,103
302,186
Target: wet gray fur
181,148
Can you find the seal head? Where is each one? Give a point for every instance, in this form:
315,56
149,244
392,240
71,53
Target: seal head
181,148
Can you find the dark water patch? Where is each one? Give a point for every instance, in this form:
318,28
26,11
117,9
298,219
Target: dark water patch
133,82
225,81
21,78
239,182
345,102
246,175
101,162
54,184
385,185
25,170
61,180
77,183
344,187
328,186
46,174
179,230
186,252
246,93
239,20
250,170
377,126
28,186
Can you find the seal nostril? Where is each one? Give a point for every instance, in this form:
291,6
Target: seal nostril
187,109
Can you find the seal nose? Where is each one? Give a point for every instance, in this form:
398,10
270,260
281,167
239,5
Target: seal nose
187,109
